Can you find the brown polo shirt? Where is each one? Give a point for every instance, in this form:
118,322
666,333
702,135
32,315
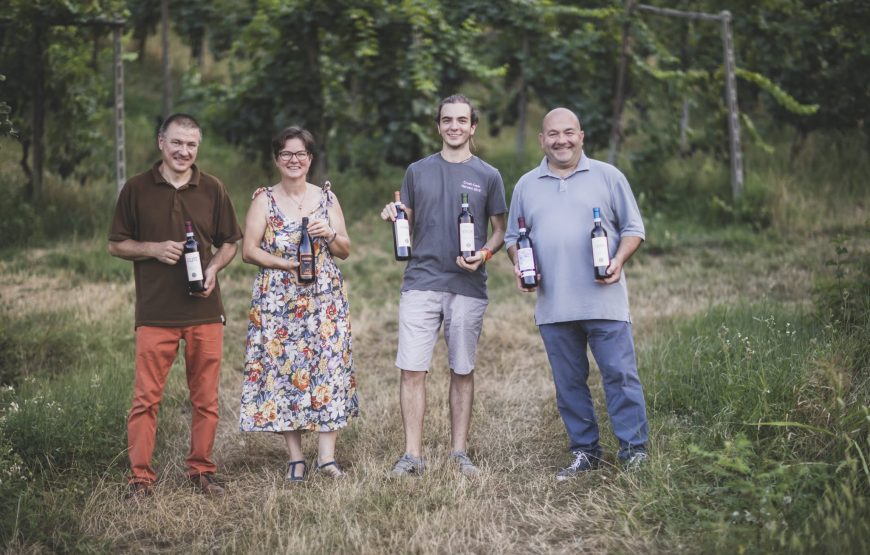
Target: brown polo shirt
150,209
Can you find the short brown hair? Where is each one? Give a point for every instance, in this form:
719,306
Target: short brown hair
184,120
292,132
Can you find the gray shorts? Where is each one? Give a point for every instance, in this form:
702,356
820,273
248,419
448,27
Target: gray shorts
420,316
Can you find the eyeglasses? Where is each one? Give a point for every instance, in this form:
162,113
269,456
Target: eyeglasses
286,155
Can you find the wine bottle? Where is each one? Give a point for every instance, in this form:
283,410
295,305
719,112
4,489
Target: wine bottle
466,230
305,255
195,283
526,258
401,232
600,248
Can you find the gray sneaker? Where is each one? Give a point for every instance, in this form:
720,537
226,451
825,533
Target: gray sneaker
637,460
583,462
409,465
466,467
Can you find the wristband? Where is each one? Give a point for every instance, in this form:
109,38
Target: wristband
487,253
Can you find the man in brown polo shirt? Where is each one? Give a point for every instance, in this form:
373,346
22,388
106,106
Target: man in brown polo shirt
149,229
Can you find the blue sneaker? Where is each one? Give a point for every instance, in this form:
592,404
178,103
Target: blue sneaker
635,461
583,462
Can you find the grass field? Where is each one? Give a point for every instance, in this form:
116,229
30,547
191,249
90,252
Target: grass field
705,327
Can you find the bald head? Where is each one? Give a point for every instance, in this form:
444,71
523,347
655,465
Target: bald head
562,140
560,114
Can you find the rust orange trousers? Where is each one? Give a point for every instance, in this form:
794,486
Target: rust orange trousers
156,349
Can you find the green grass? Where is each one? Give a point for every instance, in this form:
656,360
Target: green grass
60,425
766,407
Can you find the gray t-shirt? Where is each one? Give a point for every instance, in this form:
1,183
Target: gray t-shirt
558,214
432,189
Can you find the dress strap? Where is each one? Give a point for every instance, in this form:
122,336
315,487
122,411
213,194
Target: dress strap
269,196
326,199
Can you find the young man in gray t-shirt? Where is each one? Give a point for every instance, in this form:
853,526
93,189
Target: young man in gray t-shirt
441,286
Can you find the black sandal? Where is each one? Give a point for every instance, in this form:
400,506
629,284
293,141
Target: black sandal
291,472
331,469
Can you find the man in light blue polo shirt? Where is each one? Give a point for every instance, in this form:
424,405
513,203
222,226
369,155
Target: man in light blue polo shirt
575,309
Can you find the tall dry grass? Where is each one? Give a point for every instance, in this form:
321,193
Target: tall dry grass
517,438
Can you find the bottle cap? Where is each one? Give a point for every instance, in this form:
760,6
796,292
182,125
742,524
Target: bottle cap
596,212
397,196
305,221
521,221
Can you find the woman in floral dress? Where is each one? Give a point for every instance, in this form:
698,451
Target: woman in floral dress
298,360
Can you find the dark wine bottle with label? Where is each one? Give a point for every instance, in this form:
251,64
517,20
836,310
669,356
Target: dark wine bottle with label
305,255
600,247
466,230
195,278
526,258
401,232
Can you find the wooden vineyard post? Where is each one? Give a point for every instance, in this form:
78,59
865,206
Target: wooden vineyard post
120,159
733,114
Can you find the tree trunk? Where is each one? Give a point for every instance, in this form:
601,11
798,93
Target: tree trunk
522,103
797,145
619,97
684,129
142,43
95,52
198,49
167,70
35,193
25,167
685,61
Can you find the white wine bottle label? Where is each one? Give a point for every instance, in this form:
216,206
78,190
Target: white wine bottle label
600,253
526,262
466,237
194,266
403,233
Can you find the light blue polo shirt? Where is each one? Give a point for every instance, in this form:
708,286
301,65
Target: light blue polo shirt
558,214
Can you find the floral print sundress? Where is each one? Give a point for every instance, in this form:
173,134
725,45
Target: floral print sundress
298,353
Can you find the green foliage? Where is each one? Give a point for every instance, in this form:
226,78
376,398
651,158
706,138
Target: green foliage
90,263
67,210
350,72
42,345
776,429
782,98
6,128
753,206
59,423
842,294
55,73
814,51
734,366
555,55
56,440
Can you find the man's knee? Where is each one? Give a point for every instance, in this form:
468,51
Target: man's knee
413,378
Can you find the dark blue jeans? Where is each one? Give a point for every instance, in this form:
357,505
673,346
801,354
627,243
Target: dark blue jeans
612,346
